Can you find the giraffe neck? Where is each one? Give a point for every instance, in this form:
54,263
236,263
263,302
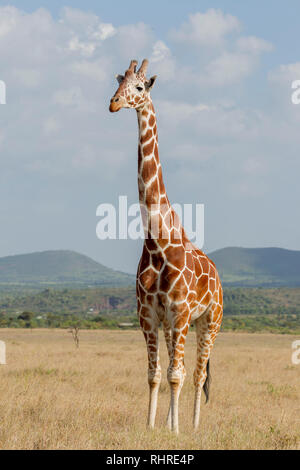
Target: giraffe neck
155,205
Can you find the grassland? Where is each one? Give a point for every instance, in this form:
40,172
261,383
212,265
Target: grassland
54,396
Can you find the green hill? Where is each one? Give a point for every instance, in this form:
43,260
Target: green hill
248,267
58,268
267,267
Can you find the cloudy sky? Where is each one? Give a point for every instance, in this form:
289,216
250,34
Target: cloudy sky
228,131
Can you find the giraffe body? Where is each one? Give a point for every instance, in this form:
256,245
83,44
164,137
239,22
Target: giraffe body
176,282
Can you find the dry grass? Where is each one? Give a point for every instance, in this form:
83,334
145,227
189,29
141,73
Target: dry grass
54,396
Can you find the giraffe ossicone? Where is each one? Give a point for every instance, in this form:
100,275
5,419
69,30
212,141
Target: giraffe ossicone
176,282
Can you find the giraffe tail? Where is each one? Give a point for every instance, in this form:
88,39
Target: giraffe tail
207,383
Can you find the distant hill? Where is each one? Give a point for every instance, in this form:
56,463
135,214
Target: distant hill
265,267
58,268
244,267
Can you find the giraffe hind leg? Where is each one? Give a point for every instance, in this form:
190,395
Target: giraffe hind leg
206,330
168,338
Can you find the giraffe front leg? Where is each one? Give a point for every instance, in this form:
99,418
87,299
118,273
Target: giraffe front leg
154,376
168,338
150,330
176,373
173,413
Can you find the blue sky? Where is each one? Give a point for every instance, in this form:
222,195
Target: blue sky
229,135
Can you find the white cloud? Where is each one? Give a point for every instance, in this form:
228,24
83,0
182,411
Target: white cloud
225,58
255,166
206,29
286,73
8,19
85,159
86,30
85,48
51,126
133,39
203,121
228,68
29,78
179,112
160,52
78,19
69,97
254,45
105,30
95,70
162,57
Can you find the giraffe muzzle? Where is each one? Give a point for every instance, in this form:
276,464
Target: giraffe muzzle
115,104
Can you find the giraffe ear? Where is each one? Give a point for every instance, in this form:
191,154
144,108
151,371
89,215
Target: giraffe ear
120,78
149,84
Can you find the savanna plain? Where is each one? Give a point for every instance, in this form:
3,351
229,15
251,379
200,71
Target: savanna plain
56,396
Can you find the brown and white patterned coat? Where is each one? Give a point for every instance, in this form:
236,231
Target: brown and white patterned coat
176,282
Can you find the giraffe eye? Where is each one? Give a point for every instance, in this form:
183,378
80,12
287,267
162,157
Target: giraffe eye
139,88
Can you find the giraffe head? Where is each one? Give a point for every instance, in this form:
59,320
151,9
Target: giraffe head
134,88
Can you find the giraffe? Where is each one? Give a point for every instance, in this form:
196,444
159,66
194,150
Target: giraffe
176,283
